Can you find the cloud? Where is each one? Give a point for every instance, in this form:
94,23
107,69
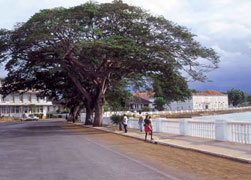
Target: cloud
232,30
225,53
249,45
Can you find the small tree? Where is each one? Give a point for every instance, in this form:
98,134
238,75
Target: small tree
118,120
236,96
249,99
174,88
159,103
146,109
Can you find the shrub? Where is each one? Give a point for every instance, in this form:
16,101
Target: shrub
116,119
146,109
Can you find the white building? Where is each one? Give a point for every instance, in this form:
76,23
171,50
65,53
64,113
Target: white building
16,105
210,99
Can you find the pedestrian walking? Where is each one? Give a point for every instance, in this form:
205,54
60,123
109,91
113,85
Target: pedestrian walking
148,127
125,120
141,122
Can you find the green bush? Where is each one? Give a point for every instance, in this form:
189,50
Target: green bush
116,119
66,110
49,116
146,109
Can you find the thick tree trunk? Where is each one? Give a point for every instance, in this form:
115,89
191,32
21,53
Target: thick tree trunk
99,110
120,126
89,115
74,112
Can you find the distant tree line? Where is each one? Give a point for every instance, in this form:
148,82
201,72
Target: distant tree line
237,97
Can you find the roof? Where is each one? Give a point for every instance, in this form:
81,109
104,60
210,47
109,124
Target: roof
209,93
145,95
138,100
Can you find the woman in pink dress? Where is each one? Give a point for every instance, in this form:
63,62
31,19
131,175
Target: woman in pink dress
148,127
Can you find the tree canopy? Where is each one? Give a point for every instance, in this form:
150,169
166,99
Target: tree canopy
236,96
159,103
96,45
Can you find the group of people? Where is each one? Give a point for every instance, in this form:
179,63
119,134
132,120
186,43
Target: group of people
143,122
147,123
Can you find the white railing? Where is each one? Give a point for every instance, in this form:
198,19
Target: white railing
219,130
239,132
201,129
169,126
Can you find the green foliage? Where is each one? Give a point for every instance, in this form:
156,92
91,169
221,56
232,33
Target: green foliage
173,88
146,109
193,91
66,110
116,119
106,107
249,99
117,96
236,97
159,103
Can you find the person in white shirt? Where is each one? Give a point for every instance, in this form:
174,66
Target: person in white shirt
125,120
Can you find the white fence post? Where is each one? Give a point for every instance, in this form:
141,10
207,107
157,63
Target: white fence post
183,127
221,130
158,125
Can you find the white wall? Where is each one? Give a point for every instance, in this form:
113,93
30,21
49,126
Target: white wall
210,102
201,103
179,105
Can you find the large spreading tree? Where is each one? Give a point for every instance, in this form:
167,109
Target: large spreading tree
96,45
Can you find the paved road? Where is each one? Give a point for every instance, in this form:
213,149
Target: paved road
47,150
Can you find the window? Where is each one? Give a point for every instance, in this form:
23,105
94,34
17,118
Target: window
13,98
38,100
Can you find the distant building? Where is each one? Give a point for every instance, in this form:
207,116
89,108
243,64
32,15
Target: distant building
210,99
16,105
141,100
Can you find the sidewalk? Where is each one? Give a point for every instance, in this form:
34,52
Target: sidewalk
233,151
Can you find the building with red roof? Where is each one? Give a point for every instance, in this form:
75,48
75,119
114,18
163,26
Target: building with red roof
142,100
210,99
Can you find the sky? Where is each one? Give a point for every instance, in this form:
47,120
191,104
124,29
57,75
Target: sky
223,25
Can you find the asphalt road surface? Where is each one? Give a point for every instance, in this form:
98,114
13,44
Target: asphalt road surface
50,150
56,150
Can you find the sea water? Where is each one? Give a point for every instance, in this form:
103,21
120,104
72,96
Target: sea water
242,116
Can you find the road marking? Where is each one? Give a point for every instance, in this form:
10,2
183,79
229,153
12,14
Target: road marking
134,160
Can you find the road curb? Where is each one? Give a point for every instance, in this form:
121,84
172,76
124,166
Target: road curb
175,146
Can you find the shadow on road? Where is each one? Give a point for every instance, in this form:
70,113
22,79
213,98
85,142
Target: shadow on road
45,129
